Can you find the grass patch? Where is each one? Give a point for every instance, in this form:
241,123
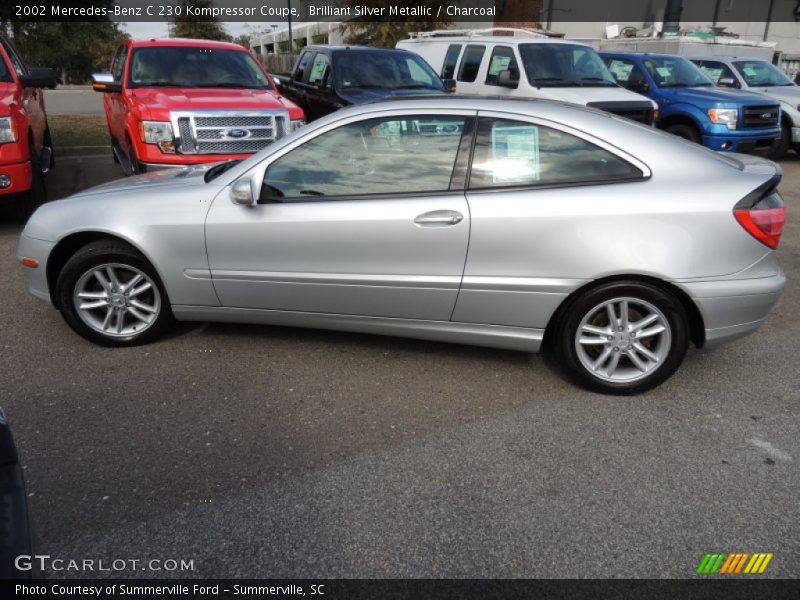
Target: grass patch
78,130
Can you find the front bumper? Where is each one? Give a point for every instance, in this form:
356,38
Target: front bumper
749,144
20,176
733,308
37,277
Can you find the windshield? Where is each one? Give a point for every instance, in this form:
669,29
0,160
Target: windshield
187,66
367,69
564,65
674,71
760,73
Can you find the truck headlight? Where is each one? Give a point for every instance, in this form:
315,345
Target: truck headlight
159,133
8,132
724,116
295,125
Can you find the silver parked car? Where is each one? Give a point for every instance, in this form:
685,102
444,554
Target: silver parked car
493,222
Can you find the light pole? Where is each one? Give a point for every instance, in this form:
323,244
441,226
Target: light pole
291,45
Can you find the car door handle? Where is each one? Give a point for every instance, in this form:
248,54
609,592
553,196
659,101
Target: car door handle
439,218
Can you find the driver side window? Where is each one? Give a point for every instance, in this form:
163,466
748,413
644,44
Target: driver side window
388,155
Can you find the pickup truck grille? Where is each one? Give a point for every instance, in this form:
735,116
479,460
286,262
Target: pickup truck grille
635,111
229,133
759,117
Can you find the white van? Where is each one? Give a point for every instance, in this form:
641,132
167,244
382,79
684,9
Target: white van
555,69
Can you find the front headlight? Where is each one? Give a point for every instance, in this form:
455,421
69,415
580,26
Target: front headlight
158,132
8,132
295,125
724,116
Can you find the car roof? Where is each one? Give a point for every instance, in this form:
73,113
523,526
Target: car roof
495,39
727,58
640,54
184,42
343,48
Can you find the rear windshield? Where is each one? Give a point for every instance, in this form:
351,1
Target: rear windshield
564,65
366,69
760,73
186,66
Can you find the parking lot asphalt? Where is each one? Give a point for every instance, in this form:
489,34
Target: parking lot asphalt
273,452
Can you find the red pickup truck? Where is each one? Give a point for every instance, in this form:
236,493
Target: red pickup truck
175,102
26,151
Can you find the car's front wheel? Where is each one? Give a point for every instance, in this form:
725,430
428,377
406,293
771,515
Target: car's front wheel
109,294
622,337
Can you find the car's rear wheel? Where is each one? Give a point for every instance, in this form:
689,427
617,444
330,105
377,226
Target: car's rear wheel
622,337
686,132
109,294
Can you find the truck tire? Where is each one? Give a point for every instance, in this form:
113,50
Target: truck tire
687,132
48,141
37,194
783,143
134,167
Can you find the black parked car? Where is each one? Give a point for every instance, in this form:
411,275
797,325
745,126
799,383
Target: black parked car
15,537
326,78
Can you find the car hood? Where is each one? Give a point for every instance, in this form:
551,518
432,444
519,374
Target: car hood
712,94
361,95
156,179
166,99
590,95
787,93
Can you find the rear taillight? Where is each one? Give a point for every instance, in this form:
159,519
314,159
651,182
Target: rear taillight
763,219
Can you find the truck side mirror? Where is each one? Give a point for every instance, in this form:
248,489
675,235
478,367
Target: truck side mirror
449,85
104,82
39,77
508,78
640,86
727,82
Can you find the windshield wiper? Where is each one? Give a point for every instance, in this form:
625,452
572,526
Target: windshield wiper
160,84
539,80
219,169
604,82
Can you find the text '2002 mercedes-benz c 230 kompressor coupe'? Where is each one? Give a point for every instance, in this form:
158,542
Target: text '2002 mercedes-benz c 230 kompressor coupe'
492,222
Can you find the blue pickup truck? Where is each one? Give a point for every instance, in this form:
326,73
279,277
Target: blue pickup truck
692,107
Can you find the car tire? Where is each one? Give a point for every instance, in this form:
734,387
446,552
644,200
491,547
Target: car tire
127,288
134,166
29,201
114,149
687,132
642,356
783,144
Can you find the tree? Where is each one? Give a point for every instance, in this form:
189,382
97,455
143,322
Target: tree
388,33
197,26
243,40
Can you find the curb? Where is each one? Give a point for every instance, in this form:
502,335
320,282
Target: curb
82,151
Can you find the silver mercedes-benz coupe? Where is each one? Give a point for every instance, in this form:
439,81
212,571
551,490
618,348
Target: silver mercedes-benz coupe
501,223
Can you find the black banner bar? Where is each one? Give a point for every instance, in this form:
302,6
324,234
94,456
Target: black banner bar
497,12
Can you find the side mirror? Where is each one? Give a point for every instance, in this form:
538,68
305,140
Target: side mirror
508,78
242,192
39,77
727,82
639,86
449,85
104,82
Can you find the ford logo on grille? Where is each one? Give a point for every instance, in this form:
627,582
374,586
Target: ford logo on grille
237,133
767,115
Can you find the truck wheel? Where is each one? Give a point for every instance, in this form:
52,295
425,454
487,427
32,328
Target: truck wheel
686,132
37,194
134,167
48,141
783,143
114,151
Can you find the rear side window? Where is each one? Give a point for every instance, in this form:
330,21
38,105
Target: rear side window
302,66
515,153
470,63
502,59
450,60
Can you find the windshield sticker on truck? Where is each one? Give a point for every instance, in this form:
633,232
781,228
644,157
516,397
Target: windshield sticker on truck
664,71
620,70
515,154
714,73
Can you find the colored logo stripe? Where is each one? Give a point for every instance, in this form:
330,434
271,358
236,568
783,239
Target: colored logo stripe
723,563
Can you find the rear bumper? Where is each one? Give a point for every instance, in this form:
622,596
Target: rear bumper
733,308
20,176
